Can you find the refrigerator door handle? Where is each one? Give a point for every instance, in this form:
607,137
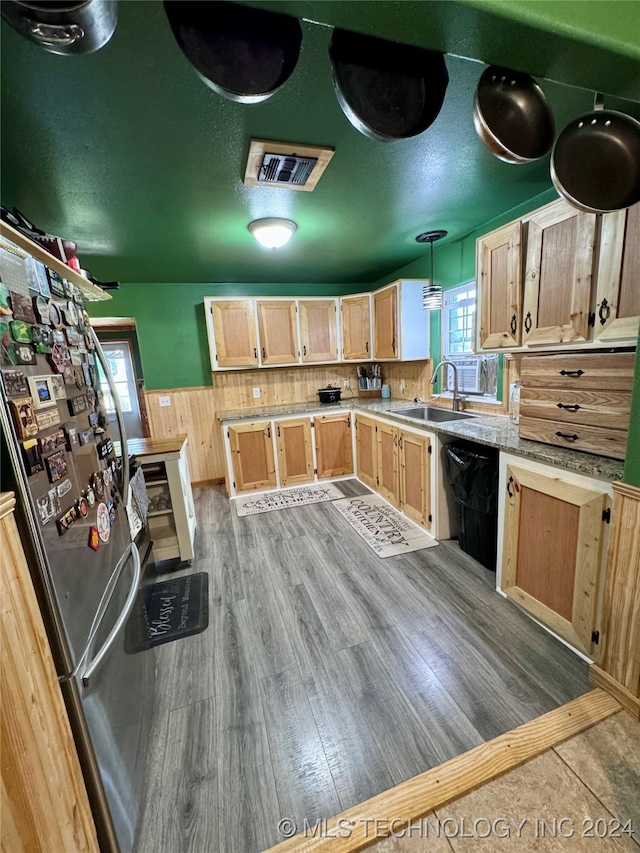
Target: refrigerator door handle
116,402
97,659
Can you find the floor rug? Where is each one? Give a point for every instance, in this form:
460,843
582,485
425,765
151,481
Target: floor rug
167,611
300,496
382,527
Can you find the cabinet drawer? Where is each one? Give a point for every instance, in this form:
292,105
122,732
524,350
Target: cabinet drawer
591,439
607,371
595,408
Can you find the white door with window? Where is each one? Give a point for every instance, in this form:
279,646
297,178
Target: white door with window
120,361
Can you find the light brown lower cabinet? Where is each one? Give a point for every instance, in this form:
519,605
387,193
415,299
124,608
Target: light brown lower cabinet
388,479
252,456
334,454
295,451
415,476
553,548
367,450
44,800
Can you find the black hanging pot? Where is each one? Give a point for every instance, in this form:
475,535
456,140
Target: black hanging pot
329,394
66,28
596,161
512,116
387,90
242,53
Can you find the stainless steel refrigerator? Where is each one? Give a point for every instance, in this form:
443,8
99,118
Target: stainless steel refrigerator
59,458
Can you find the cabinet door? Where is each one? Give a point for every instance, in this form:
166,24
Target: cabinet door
318,330
385,322
499,282
278,332
252,456
234,329
367,451
356,327
295,454
559,271
552,551
334,453
618,295
388,480
415,477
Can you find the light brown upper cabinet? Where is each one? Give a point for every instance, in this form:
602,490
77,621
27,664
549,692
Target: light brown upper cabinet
278,330
499,283
367,450
618,295
558,275
385,322
334,453
415,476
295,452
356,327
252,456
553,547
388,480
232,333
319,329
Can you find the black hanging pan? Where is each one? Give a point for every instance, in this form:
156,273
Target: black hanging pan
66,28
512,116
596,161
242,53
387,90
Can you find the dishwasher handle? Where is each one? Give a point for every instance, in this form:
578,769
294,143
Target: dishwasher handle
95,663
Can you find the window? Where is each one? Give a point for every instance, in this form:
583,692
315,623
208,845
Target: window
117,366
458,320
477,374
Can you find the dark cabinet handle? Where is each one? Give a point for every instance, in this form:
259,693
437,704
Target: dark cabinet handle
395,440
571,373
573,408
604,312
566,435
304,350
509,492
366,347
268,432
348,421
527,322
278,430
263,354
513,325
255,352
400,442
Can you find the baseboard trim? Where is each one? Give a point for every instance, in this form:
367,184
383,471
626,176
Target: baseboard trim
629,702
418,796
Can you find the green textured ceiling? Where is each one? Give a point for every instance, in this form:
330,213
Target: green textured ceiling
130,154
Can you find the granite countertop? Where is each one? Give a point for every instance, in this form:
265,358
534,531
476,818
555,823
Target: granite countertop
492,430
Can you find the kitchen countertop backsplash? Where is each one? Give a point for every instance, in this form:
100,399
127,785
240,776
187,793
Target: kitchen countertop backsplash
492,430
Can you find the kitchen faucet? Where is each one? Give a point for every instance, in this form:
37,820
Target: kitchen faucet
456,395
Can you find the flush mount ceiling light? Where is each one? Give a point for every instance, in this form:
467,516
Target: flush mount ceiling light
272,233
431,293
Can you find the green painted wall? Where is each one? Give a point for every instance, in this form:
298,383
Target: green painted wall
632,463
172,334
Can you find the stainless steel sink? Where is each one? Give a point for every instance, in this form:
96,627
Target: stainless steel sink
431,413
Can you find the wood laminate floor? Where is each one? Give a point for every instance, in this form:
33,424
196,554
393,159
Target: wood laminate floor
328,675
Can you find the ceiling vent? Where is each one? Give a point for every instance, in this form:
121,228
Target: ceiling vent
285,165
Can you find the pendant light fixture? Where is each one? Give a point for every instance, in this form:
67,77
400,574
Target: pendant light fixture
271,232
431,293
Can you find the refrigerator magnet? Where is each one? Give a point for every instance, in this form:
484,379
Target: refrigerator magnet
56,283
42,278
105,448
41,308
74,338
24,417
22,307
85,436
78,404
41,391
57,467
71,432
47,418
94,538
82,507
25,354
51,442
65,521
97,484
20,331
31,457
5,308
70,313
64,488
103,523
14,382
57,383
112,512
55,317
48,506
91,496
7,352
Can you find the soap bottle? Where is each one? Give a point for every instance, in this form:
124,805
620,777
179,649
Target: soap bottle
514,403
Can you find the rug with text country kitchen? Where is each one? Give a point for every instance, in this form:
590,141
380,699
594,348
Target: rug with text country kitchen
382,527
168,610
287,498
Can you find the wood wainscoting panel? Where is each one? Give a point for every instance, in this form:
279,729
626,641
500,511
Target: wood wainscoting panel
44,799
621,607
